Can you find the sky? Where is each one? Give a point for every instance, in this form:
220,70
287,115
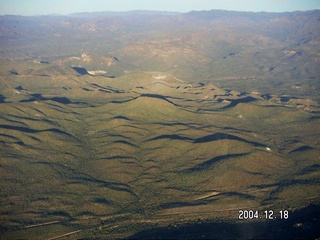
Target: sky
63,7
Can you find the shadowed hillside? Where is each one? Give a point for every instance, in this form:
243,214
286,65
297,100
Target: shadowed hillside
151,124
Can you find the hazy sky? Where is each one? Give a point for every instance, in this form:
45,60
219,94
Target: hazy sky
39,7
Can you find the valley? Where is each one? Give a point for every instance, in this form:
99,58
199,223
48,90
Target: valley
159,130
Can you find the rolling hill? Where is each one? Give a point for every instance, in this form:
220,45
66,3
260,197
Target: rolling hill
144,124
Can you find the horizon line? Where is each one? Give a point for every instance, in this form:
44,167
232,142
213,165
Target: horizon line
155,11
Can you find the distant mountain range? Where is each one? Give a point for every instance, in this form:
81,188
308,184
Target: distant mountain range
206,45
156,125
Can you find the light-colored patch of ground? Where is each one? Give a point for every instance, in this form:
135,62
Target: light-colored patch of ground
208,195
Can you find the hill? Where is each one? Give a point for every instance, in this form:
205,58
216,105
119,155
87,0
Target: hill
217,44
156,124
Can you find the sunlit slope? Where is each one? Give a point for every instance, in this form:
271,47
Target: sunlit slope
148,145
208,45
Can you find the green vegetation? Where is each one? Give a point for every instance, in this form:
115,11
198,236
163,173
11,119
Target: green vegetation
157,131
163,150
